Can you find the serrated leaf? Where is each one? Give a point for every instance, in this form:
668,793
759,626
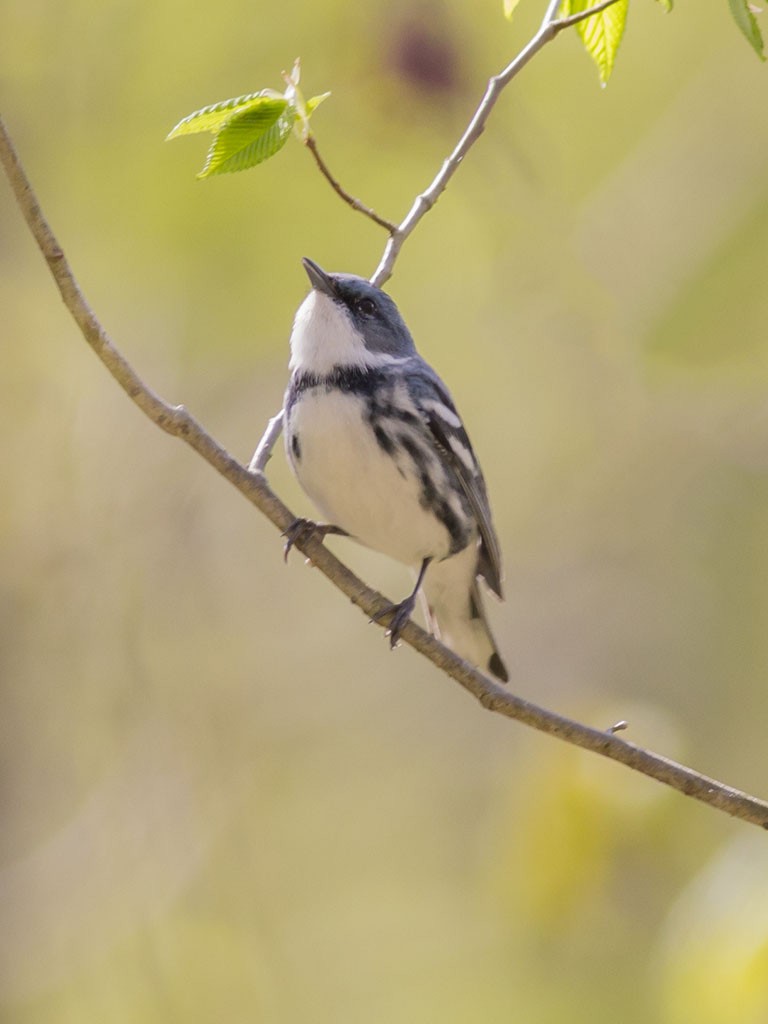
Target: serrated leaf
315,102
601,33
214,117
509,8
248,139
747,22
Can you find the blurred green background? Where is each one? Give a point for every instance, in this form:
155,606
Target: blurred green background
222,797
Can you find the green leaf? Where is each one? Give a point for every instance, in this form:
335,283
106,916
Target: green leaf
509,8
249,138
213,118
667,5
747,22
315,102
601,33
249,129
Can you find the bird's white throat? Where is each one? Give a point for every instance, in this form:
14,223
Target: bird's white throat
324,336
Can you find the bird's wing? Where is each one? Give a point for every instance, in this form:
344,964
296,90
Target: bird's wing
451,438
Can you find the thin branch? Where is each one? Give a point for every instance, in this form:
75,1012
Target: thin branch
550,28
263,452
176,420
311,145
574,19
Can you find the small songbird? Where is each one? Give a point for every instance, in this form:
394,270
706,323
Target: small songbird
374,439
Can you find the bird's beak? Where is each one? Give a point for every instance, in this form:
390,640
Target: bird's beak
319,280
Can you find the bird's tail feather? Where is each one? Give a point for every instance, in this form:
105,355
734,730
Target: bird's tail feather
455,613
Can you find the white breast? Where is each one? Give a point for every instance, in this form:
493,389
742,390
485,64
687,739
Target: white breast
355,484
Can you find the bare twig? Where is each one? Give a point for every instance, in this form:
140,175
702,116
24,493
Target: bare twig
176,420
618,726
574,19
311,145
550,28
263,452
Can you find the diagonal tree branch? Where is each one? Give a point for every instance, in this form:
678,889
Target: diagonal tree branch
551,27
175,420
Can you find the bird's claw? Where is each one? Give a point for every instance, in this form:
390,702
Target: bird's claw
301,530
400,613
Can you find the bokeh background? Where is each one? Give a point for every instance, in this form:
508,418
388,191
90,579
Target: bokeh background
222,797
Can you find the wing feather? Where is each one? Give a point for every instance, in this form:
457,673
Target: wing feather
451,438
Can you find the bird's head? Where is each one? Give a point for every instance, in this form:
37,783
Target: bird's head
346,321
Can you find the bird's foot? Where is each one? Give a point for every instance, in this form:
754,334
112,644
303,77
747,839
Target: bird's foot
400,613
301,530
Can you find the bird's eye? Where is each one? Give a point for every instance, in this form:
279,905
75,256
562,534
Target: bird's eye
365,306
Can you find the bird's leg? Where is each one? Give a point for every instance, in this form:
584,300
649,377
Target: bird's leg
303,529
402,612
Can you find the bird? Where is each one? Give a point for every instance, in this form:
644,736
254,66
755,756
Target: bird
374,439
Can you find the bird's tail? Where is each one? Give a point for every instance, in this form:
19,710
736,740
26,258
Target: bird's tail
455,614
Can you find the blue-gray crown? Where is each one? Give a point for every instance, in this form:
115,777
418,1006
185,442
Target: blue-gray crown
372,311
